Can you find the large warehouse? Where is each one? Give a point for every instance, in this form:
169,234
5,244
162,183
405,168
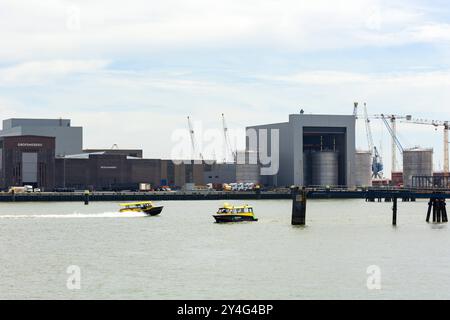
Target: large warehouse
27,160
313,150
115,171
68,139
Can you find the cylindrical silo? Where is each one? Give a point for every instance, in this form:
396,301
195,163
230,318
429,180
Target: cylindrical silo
363,169
325,168
417,162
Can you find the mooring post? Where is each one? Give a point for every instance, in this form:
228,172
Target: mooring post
438,211
86,197
444,211
394,212
430,207
258,192
435,207
298,206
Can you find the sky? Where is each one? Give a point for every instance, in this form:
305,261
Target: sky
131,72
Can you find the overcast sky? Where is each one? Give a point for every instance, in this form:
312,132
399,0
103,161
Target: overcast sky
131,71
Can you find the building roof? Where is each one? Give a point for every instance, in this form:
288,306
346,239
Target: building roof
29,122
88,155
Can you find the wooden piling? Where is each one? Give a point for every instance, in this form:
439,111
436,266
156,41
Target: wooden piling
444,212
394,212
435,208
438,211
86,197
430,207
299,207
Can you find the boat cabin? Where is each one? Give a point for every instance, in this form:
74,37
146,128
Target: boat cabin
236,210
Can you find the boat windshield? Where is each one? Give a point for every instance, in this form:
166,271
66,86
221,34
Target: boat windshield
235,210
138,206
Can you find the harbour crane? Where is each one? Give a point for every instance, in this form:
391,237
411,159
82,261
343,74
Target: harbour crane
193,141
377,161
227,144
355,110
392,128
436,124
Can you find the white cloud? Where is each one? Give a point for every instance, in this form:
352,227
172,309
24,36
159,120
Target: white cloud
437,32
331,77
74,28
40,72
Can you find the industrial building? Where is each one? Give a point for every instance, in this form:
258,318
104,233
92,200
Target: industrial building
313,150
244,170
68,139
103,171
27,160
106,171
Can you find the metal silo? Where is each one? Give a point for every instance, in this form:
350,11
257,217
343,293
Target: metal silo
325,168
363,169
417,162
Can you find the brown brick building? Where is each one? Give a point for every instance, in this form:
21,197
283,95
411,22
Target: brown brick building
27,160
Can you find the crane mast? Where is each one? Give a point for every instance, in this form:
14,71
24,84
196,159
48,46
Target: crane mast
396,143
393,143
446,164
227,145
193,141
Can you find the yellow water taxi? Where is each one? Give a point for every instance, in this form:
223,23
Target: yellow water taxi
230,213
146,207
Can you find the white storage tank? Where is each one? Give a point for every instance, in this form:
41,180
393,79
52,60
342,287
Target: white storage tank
325,168
363,169
416,162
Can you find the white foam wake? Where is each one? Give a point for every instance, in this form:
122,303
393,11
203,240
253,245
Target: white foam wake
75,215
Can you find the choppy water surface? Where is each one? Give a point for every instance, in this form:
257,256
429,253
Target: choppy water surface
182,254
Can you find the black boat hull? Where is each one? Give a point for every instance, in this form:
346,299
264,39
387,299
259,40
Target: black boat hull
154,211
233,218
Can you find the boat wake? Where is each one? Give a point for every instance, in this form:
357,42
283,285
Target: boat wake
75,215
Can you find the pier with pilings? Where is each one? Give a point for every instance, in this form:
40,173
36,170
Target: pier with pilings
437,210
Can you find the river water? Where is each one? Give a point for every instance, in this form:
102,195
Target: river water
183,254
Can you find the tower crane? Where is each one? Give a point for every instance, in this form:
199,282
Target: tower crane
227,145
392,128
193,141
395,142
436,124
